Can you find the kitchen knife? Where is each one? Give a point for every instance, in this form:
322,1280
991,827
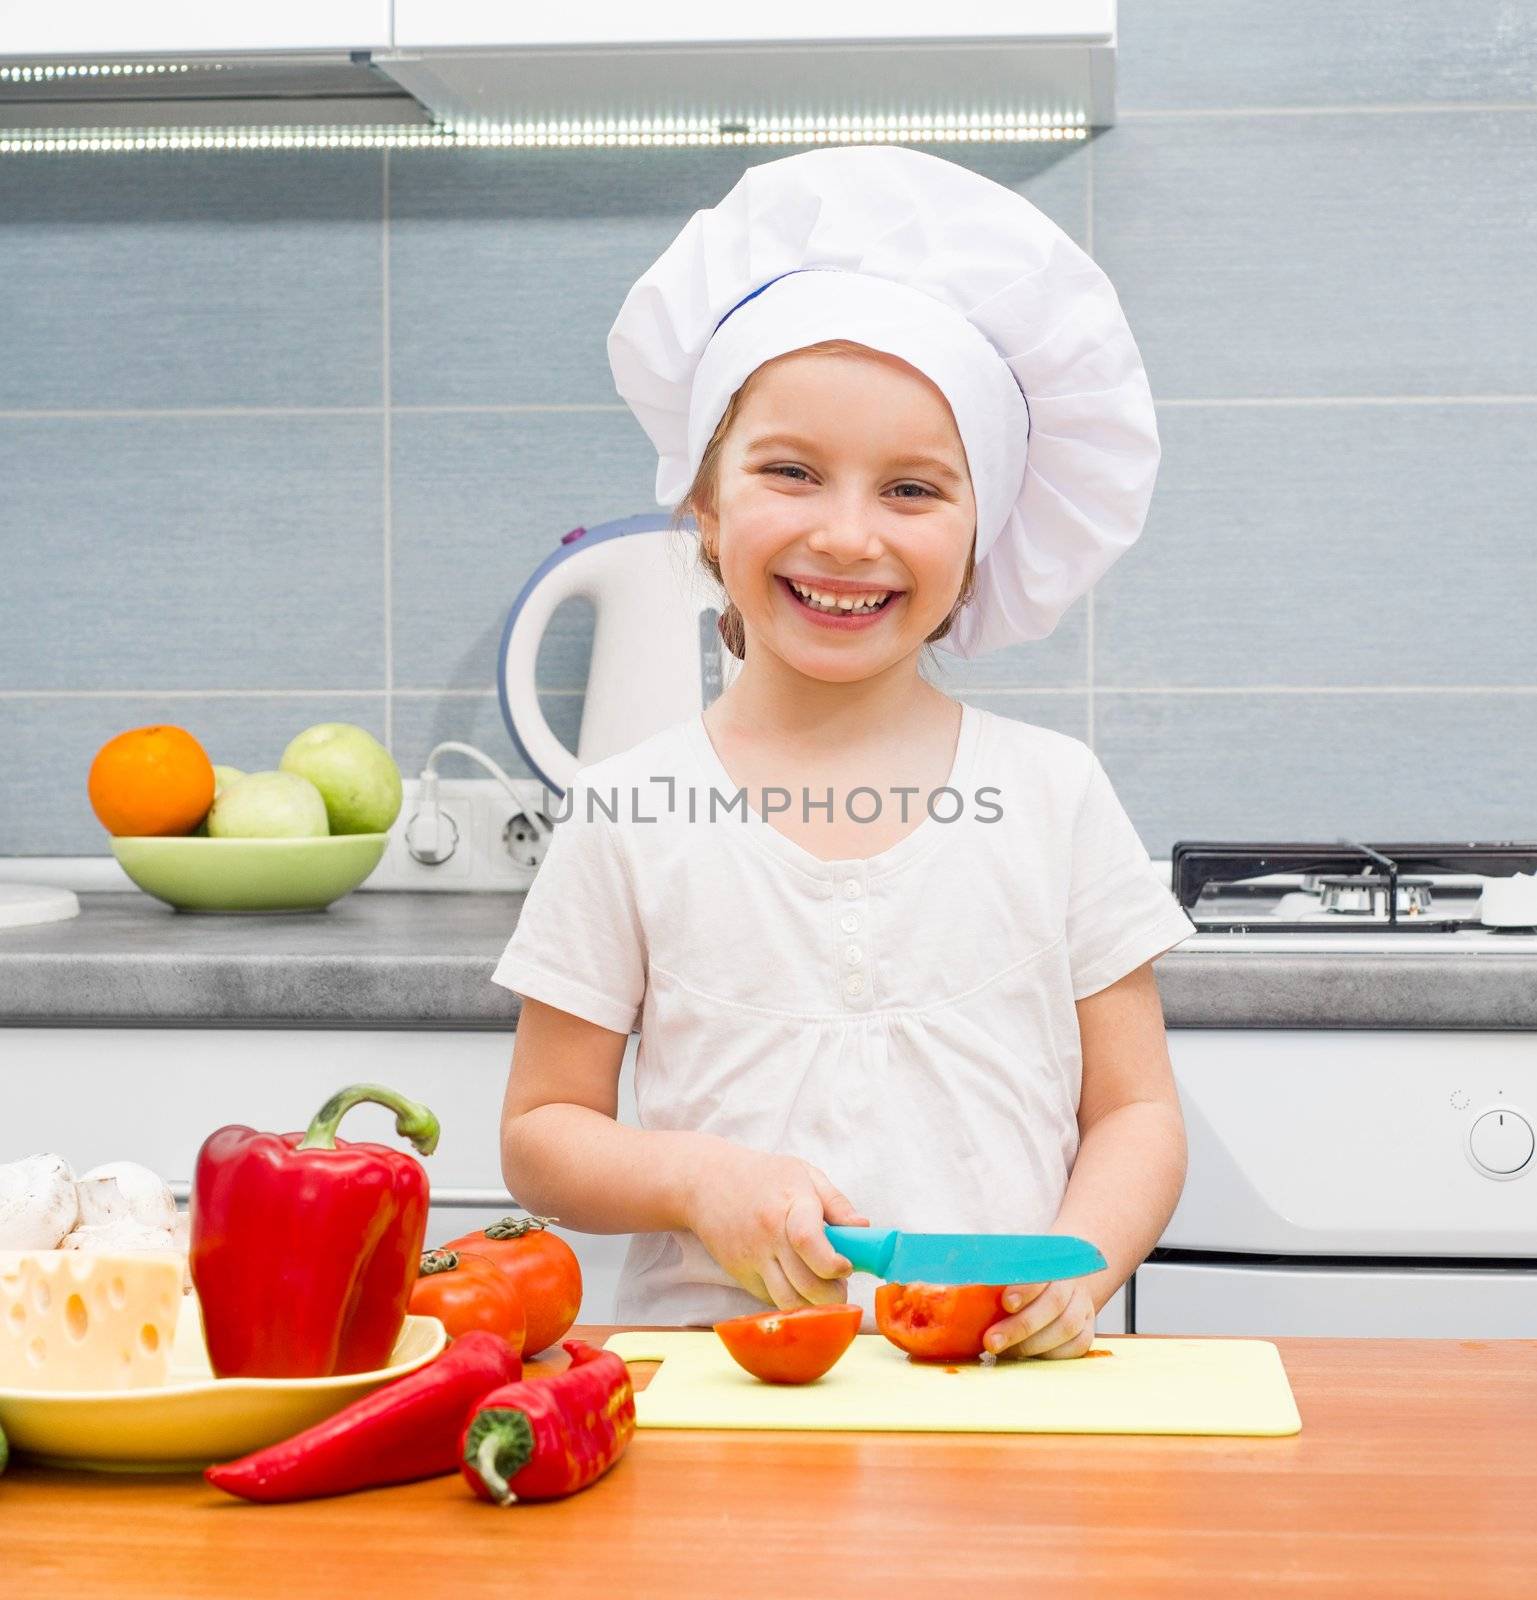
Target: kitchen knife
965,1257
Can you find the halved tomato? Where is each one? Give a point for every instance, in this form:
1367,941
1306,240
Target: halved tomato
939,1321
790,1346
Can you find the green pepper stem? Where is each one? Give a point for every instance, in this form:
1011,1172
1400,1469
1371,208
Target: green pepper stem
412,1121
499,1445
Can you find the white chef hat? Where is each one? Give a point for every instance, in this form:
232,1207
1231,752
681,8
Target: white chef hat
967,282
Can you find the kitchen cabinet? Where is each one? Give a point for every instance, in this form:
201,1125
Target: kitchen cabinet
471,23
704,62
96,29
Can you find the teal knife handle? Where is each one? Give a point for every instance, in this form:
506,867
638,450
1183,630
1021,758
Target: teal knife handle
870,1249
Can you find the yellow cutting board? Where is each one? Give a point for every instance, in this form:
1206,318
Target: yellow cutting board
1136,1386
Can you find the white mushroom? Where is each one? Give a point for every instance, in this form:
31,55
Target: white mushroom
38,1203
123,1191
118,1236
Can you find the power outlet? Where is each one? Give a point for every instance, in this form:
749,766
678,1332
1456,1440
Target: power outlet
494,847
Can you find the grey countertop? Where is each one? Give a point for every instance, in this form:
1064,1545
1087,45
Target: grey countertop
396,960
372,959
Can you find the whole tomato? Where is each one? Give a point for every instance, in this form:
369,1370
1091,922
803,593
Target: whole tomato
464,1292
540,1265
938,1321
790,1346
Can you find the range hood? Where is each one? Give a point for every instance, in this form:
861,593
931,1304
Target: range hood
461,73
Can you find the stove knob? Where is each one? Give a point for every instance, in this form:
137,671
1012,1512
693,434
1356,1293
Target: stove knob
1500,1142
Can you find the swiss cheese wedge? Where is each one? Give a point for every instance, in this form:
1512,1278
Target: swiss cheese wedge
75,1320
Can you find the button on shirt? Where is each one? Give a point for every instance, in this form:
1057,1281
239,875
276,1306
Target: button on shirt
904,1022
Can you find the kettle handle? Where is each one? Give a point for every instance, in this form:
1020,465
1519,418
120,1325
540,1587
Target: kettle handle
551,585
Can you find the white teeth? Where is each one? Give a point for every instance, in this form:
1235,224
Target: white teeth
840,602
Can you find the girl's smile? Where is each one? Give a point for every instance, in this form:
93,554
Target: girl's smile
841,616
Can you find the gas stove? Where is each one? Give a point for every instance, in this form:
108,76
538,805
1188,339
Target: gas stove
1348,896
1353,1181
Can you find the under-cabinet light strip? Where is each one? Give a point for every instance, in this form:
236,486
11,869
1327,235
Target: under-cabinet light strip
48,73
794,130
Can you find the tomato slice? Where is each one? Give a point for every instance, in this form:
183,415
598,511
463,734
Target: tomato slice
939,1321
790,1346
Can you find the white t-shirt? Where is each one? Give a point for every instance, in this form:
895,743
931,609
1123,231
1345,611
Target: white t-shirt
906,1022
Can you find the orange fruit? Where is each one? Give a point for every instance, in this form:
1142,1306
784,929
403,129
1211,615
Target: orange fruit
151,781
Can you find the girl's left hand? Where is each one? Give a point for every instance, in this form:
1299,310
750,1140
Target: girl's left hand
1055,1320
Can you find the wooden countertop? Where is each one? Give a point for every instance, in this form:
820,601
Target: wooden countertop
1415,1474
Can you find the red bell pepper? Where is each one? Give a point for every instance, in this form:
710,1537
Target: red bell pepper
547,1437
407,1430
305,1248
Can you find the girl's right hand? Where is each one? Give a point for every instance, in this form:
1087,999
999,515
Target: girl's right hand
761,1217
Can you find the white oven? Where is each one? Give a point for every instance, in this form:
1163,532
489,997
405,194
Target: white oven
1351,1182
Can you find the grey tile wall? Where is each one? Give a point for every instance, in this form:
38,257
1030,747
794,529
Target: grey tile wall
184,281
283,434
192,551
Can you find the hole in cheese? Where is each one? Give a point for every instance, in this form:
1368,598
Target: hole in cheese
59,1330
117,1293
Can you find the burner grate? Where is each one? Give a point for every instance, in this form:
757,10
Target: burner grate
1206,870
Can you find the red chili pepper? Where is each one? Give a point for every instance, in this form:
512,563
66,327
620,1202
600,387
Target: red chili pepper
547,1437
409,1429
305,1248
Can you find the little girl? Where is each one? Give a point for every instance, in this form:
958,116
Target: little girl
888,953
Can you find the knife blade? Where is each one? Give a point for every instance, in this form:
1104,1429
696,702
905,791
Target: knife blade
965,1257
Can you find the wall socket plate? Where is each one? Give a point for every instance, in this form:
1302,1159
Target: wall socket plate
497,851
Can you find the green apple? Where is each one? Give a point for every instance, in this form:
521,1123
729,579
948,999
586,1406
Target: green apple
223,777
354,772
268,805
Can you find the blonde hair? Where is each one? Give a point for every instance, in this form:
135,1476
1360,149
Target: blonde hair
703,495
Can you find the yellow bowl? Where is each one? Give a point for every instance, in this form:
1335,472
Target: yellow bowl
195,874
194,1418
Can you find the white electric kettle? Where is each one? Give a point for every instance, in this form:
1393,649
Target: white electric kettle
657,655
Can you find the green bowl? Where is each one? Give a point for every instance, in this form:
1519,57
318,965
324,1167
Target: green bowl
196,874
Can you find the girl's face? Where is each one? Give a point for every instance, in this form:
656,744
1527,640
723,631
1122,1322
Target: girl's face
846,473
